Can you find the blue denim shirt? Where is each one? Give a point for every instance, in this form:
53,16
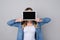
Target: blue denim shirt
20,34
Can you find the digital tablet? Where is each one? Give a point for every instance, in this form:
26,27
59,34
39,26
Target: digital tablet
29,15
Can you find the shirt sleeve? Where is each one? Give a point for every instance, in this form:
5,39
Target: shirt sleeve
44,21
13,23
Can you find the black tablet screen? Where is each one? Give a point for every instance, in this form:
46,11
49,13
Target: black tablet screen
28,15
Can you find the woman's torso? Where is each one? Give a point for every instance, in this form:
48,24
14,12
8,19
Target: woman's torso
29,33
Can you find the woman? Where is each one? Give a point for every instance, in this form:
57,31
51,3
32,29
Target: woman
27,29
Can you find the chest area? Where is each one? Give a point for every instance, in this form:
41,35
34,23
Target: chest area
29,29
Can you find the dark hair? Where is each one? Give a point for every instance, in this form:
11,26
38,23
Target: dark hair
34,22
29,8
24,23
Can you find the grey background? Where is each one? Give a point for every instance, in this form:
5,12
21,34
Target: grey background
10,9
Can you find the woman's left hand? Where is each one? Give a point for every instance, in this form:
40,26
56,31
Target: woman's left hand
38,19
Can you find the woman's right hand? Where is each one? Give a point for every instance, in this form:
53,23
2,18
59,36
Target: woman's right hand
19,20
38,20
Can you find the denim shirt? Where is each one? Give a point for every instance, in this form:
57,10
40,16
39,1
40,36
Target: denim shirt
20,34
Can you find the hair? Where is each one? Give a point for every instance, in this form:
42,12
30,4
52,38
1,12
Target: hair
24,23
28,8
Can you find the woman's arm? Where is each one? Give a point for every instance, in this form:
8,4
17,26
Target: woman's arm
46,20
14,22
42,21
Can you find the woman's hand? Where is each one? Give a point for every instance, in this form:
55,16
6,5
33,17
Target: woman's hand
19,20
38,19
